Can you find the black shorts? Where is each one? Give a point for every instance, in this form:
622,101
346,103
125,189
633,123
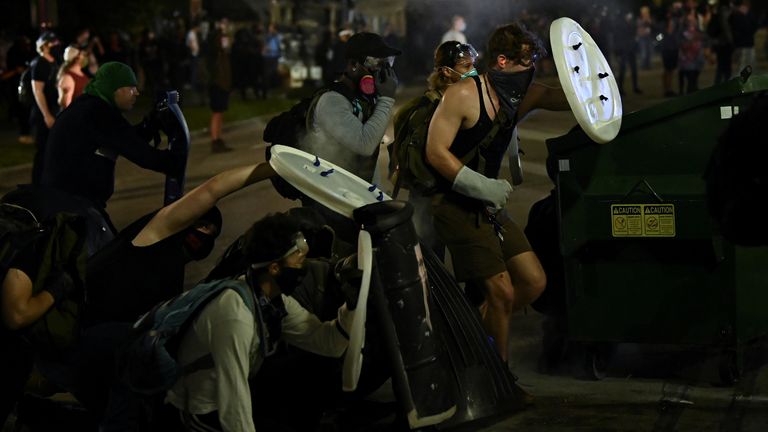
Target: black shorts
219,99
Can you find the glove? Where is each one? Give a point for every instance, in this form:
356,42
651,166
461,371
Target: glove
59,284
475,185
386,82
350,277
150,127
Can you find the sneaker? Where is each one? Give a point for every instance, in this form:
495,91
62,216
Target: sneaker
219,146
26,139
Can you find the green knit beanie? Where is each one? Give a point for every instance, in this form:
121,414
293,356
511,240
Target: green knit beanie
110,77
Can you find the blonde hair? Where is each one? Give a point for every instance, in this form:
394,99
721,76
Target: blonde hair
71,56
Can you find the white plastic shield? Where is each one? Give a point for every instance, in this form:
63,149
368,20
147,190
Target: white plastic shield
587,80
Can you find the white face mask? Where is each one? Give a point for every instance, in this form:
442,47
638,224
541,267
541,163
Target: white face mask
462,27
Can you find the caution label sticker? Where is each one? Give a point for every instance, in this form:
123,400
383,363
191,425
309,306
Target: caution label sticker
643,220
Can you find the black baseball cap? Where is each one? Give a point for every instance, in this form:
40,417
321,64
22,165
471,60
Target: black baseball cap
46,37
362,45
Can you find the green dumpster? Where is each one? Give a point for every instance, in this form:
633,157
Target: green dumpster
643,261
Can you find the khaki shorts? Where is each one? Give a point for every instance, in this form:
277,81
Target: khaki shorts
476,250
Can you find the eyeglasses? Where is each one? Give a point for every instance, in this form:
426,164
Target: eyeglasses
378,62
299,245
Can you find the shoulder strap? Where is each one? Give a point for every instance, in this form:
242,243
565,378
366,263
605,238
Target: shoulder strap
206,361
311,109
499,122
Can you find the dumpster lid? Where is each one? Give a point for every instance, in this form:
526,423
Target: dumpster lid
587,80
327,183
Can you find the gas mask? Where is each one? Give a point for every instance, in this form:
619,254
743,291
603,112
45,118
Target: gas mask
373,65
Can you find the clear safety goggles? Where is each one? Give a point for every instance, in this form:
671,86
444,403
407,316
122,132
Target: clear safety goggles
299,245
377,63
461,52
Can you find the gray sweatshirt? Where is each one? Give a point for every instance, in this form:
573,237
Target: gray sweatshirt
341,137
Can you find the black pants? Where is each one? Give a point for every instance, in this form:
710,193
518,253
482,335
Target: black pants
724,58
41,140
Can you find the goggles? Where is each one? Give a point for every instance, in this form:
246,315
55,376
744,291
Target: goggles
459,53
378,62
299,245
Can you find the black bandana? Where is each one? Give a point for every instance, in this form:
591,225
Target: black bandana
511,87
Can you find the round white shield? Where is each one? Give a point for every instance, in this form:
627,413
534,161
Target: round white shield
587,80
353,359
323,181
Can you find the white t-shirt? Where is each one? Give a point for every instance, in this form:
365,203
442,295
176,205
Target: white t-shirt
226,329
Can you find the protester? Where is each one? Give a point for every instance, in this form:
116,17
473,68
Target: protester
490,251
45,106
71,79
349,121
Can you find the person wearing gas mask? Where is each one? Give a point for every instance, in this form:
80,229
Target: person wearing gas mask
469,215
239,339
145,263
454,61
350,119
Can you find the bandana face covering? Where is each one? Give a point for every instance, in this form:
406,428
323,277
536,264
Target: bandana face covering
511,87
289,278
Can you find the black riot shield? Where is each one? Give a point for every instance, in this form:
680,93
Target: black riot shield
445,370
175,127
420,374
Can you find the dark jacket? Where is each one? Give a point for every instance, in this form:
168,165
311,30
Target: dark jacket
84,144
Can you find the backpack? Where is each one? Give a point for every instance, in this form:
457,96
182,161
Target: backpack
19,228
289,128
412,170
60,238
409,147
25,87
147,362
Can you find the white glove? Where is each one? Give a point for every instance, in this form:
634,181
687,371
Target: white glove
475,185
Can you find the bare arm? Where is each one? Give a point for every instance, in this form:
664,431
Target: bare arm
38,89
66,88
445,123
18,306
182,213
544,97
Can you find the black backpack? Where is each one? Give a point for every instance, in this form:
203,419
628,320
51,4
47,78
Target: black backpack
289,128
60,239
25,87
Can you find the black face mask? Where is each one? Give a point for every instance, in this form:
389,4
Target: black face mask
511,87
198,244
289,278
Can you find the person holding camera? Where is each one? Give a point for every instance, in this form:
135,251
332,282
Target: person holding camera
91,133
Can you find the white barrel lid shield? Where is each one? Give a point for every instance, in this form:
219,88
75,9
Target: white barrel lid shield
587,80
327,183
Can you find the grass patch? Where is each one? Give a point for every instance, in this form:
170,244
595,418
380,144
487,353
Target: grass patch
199,117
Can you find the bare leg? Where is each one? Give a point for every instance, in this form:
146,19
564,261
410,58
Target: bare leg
217,120
509,291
